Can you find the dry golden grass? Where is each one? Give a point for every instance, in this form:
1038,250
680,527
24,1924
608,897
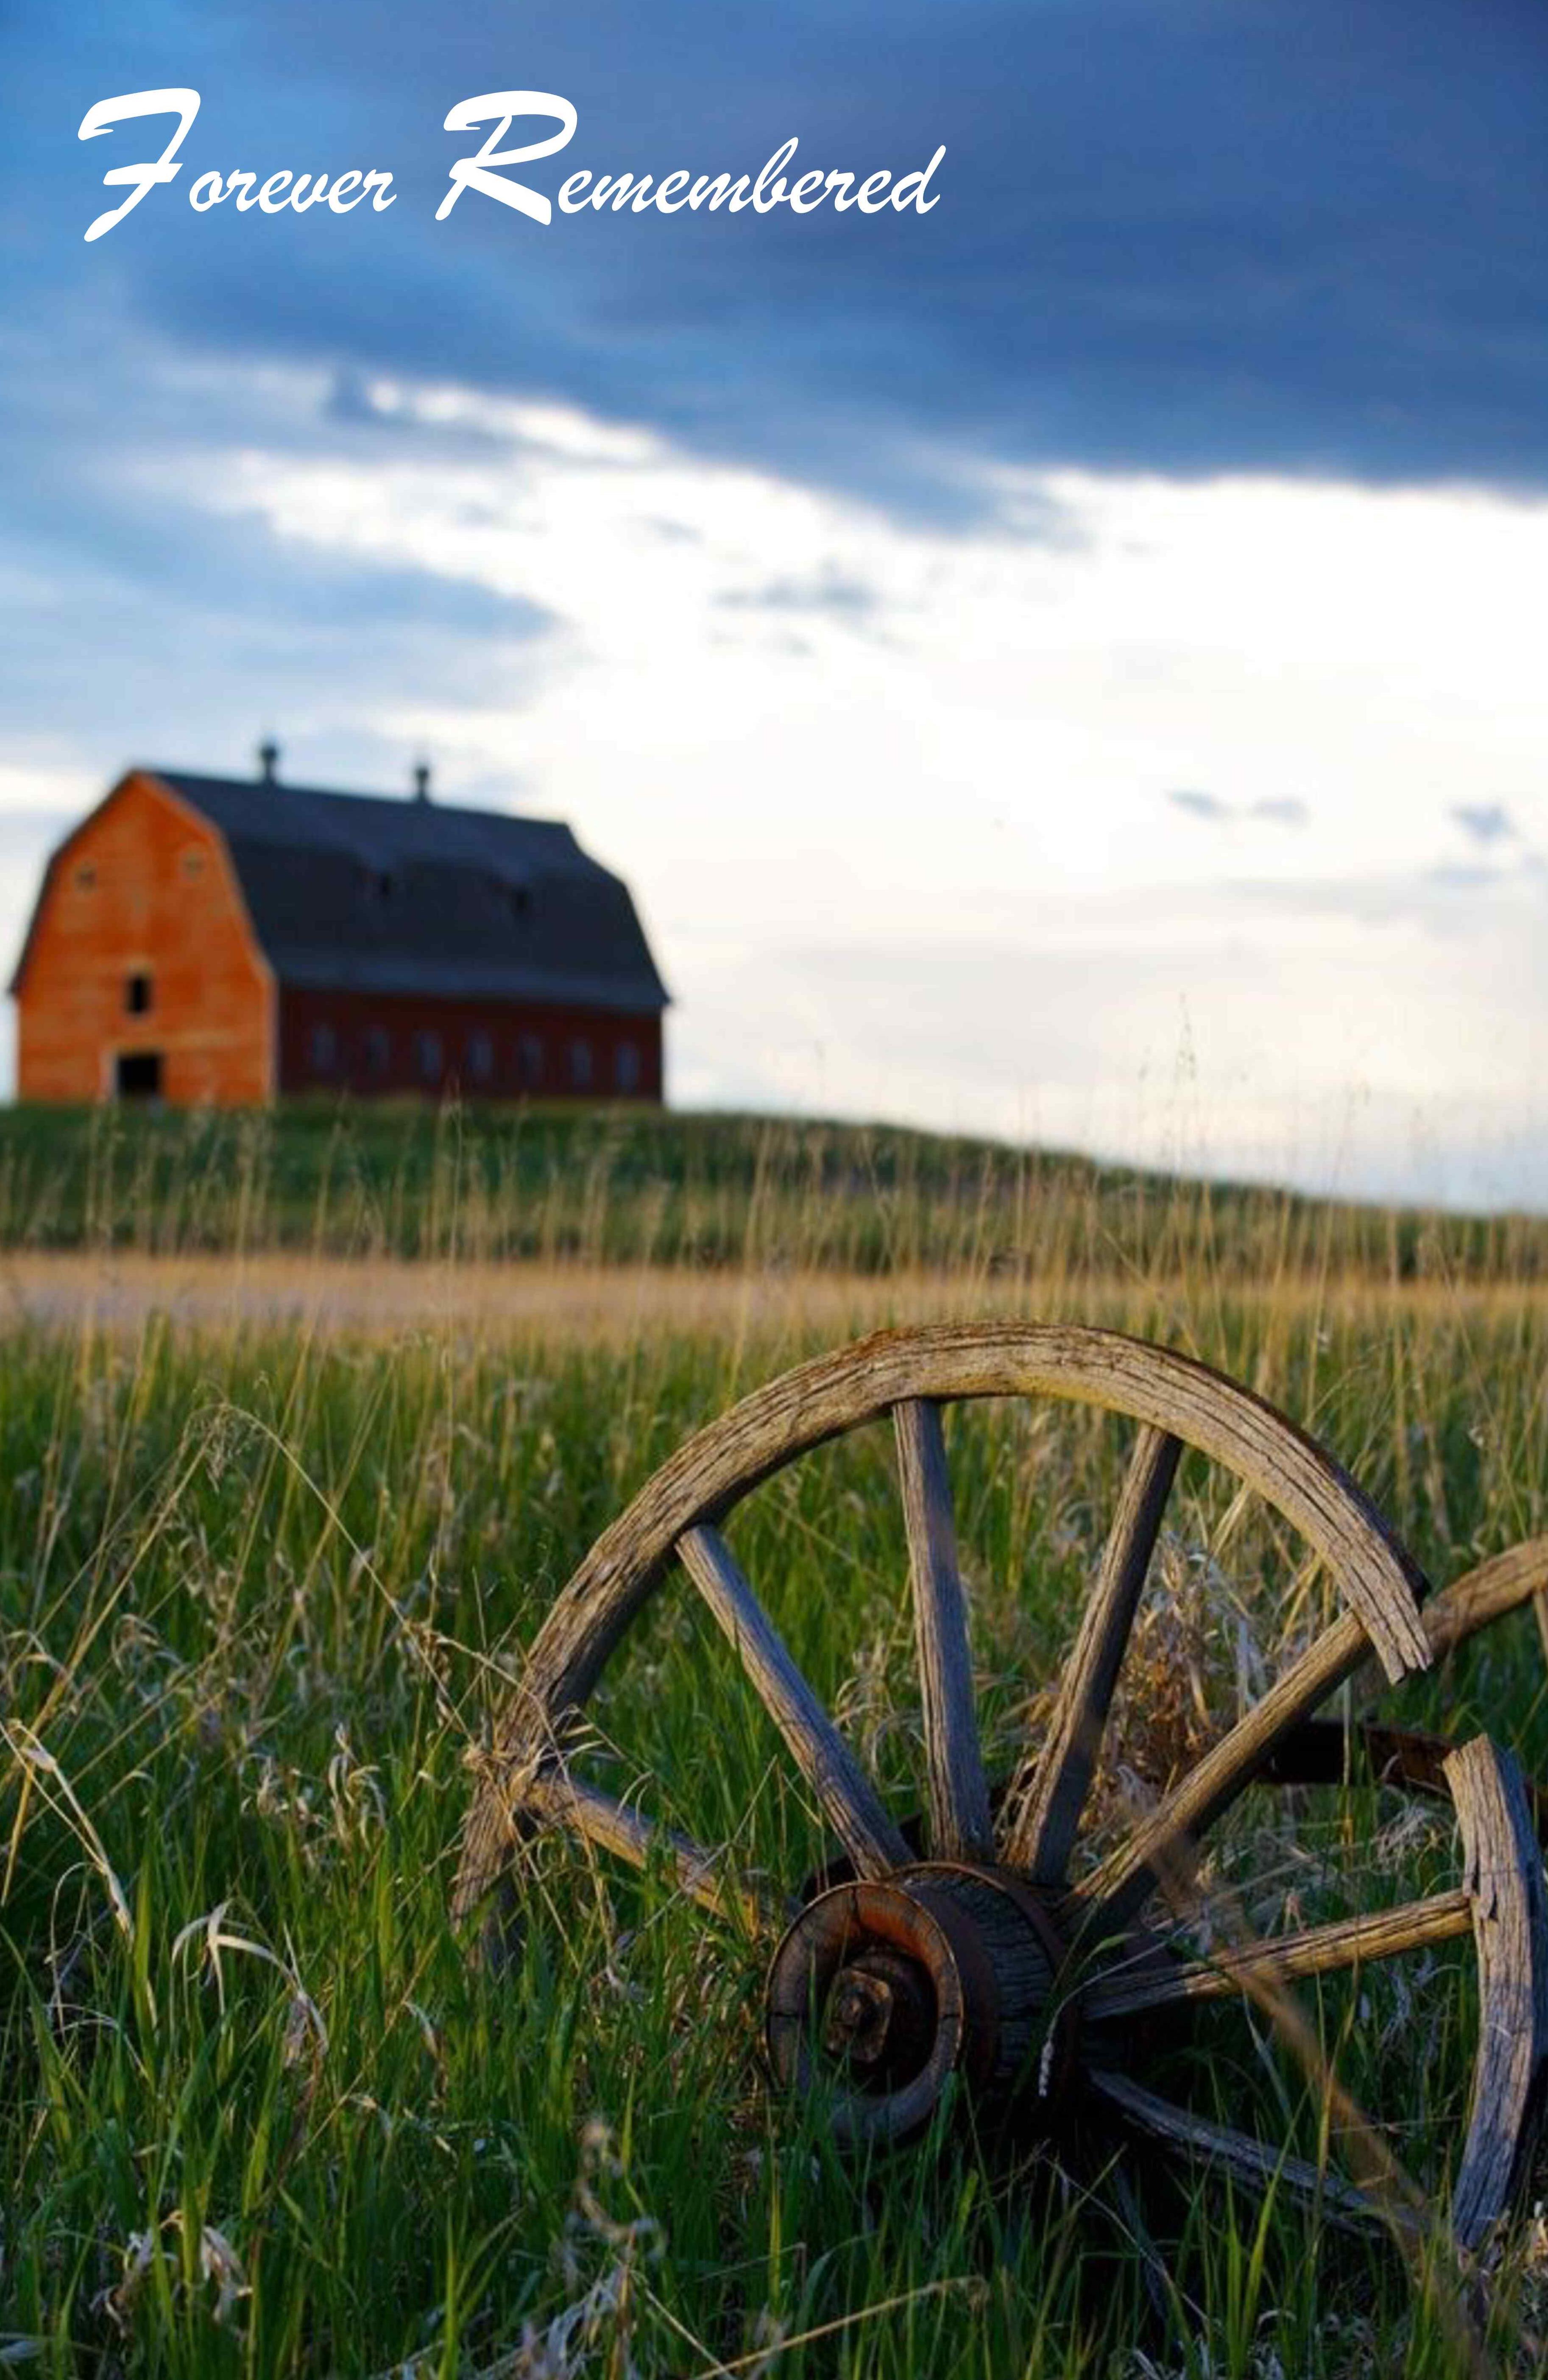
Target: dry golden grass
612,1306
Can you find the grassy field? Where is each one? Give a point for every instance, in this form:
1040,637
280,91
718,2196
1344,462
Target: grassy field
632,1186
265,1571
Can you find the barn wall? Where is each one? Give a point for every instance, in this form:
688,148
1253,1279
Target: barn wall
144,888
370,1045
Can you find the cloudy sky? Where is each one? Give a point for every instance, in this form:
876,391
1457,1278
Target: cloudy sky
1067,663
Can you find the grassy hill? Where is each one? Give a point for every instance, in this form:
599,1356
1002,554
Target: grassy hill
629,1186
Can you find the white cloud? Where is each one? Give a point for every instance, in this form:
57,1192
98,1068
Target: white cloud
900,831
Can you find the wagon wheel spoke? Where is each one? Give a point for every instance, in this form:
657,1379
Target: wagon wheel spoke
1197,2140
1048,1813
1486,1594
960,1825
849,1801
1159,1850
1256,1968
555,1798
1501,1902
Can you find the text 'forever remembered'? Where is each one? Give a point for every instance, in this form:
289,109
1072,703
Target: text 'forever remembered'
487,171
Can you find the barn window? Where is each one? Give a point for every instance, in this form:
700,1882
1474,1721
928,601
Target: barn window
521,900
137,994
580,1064
192,861
382,883
378,1050
625,1066
530,1056
86,876
324,1049
481,1057
427,1056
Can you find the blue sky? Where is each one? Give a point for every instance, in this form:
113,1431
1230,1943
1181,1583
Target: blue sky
1064,664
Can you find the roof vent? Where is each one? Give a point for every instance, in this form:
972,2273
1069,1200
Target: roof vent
268,762
422,780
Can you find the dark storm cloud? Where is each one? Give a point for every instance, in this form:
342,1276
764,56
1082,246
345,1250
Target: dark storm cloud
1266,236
1299,238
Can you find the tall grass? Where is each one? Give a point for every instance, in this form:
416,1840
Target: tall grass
259,1593
630,1184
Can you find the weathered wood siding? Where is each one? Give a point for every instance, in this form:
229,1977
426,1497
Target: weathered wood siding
144,888
381,1043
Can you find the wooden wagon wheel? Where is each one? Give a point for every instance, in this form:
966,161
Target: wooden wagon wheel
985,1956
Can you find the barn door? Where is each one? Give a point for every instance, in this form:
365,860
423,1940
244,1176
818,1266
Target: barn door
138,1074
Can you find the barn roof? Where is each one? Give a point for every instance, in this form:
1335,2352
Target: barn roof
350,891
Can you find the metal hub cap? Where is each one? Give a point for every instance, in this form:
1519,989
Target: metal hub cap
880,1991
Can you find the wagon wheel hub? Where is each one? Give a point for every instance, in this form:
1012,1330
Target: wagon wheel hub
881,1991
880,2014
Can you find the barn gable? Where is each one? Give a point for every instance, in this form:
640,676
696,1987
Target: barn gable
139,968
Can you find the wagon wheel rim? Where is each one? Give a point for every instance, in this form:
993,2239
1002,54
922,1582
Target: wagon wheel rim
1176,1403
676,1515
1499,1901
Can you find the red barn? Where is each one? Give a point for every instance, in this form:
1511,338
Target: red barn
206,939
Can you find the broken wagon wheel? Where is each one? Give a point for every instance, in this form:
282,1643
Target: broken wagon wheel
983,1957
1489,1592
